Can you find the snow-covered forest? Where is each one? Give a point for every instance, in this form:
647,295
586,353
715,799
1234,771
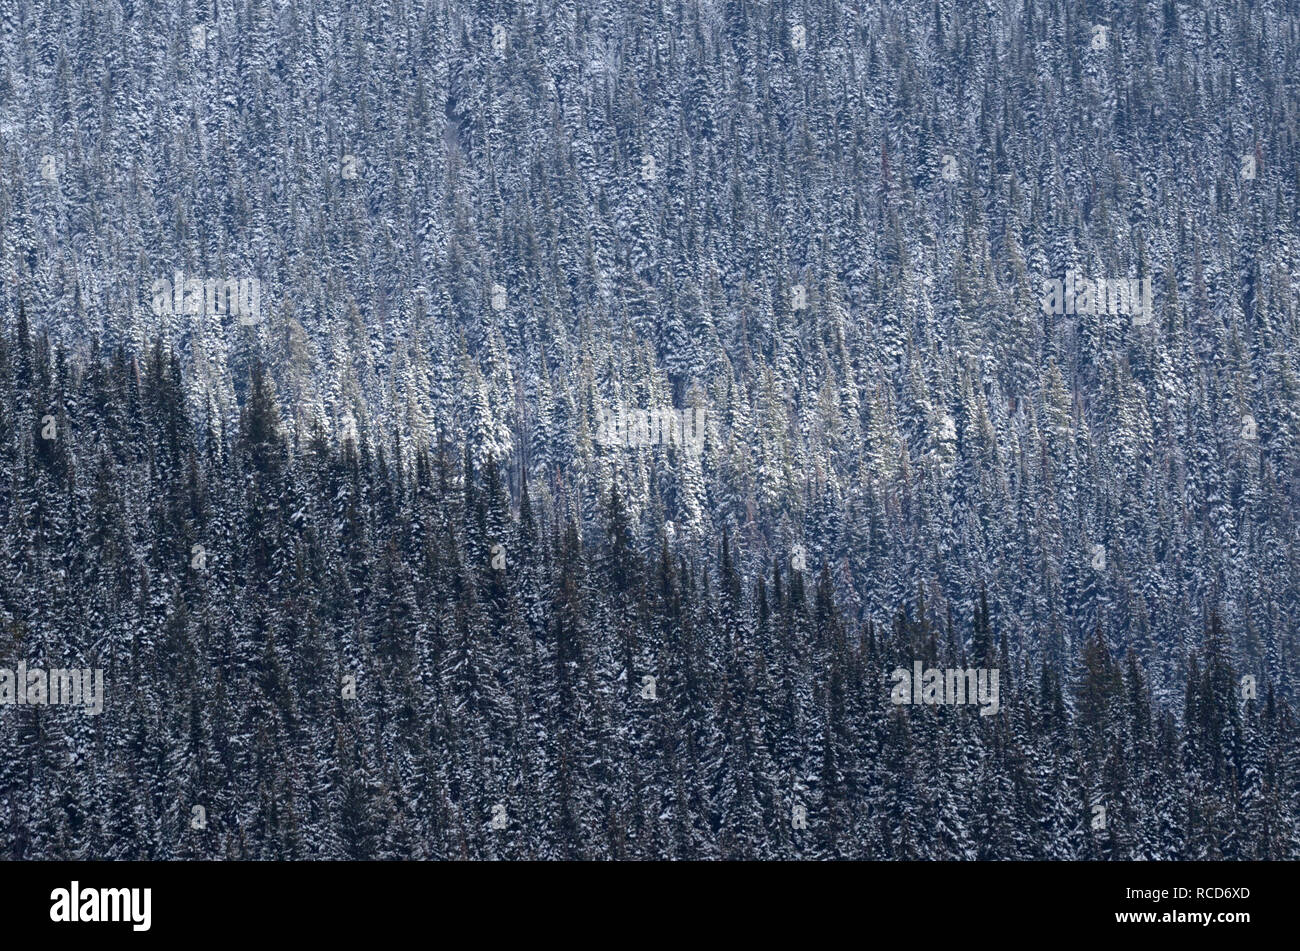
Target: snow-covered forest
314,315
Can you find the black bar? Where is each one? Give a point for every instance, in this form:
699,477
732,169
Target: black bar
369,900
